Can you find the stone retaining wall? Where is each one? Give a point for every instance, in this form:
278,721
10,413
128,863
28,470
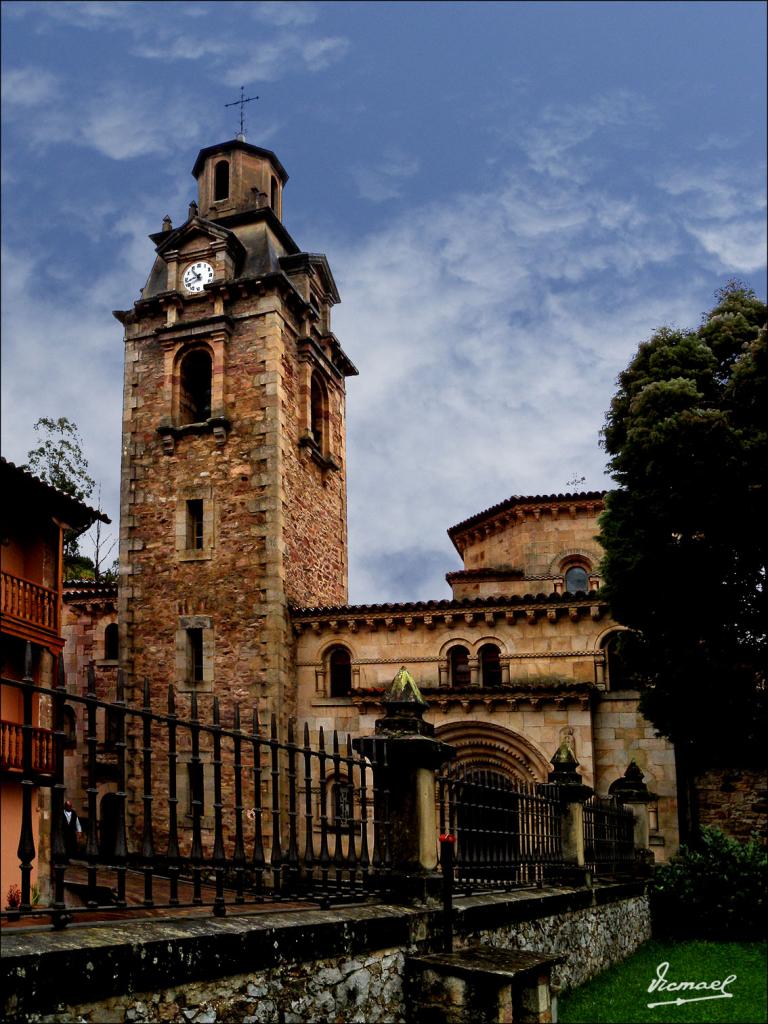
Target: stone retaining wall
735,801
263,967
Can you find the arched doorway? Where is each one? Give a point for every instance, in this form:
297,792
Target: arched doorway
488,800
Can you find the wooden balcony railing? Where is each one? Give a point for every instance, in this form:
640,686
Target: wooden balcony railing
28,609
11,749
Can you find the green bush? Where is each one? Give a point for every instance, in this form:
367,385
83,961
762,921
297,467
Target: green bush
715,891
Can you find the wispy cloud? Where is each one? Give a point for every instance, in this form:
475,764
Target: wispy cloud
737,245
287,42
489,331
283,12
722,206
119,122
25,87
275,58
384,180
552,142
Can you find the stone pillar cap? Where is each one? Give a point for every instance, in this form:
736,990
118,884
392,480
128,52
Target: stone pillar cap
631,787
404,690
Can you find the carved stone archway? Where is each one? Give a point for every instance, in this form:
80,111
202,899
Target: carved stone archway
481,745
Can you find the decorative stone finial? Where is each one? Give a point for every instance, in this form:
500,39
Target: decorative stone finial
564,764
167,225
631,787
192,212
404,689
403,709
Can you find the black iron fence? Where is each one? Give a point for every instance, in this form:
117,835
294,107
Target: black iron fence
609,846
199,812
506,833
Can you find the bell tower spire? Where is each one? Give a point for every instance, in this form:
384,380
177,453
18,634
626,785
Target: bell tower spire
236,177
233,495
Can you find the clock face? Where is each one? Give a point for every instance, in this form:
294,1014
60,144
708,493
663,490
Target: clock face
197,275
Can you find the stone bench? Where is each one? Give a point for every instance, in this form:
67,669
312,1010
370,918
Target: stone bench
480,985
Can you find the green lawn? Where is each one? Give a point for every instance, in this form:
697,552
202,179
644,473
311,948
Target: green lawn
621,996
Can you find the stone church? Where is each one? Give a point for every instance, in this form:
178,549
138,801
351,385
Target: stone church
233,529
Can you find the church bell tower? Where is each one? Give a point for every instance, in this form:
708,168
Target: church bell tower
233,488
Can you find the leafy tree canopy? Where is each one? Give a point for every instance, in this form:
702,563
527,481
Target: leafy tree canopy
58,458
686,532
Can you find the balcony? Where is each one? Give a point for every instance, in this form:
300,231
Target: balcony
30,611
11,749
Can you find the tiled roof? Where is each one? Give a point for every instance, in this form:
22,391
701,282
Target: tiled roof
448,605
73,511
74,589
486,573
518,500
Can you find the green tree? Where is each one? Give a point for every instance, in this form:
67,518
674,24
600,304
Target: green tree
58,459
686,531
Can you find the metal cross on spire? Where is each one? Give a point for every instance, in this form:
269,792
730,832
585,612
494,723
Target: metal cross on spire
241,103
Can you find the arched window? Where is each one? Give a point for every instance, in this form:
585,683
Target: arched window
195,387
319,402
617,675
221,181
273,194
111,642
458,663
339,672
576,580
490,665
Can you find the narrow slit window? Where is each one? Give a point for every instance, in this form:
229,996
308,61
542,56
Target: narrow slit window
111,642
221,180
273,195
196,788
318,401
195,524
195,655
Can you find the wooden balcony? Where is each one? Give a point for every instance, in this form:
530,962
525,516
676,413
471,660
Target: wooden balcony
11,749
30,611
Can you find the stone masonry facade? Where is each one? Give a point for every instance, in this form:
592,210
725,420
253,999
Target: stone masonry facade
234,509
233,532
265,968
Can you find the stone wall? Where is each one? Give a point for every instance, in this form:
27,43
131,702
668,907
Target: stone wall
264,967
735,801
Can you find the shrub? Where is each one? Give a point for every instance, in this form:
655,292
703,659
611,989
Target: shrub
13,897
715,891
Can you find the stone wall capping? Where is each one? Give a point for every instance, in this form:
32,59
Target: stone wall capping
45,972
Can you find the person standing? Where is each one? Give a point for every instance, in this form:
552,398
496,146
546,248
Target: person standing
72,829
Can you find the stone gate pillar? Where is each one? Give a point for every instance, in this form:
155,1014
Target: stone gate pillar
406,756
572,794
632,791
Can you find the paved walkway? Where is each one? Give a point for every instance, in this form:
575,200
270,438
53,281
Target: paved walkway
75,887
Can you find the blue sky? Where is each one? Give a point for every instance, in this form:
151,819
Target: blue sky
512,196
